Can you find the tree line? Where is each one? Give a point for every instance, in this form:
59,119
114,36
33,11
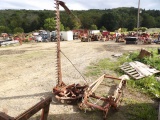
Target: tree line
26,21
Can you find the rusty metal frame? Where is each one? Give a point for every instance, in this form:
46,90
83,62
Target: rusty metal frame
110,101
72,92
44,105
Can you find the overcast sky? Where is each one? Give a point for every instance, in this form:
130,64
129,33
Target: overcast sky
78,4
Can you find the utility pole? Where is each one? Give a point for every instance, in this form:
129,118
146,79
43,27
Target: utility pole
138,16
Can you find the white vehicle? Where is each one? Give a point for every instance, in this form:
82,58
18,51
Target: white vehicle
38,38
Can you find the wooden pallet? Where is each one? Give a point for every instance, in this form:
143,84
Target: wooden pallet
137,70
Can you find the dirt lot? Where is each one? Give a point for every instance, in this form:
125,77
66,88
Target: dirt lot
27,74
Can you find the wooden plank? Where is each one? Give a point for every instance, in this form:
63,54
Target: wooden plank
126,68
133,73
136,75
130,71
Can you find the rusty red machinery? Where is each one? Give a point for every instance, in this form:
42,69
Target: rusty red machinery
108,102
73,93
80,33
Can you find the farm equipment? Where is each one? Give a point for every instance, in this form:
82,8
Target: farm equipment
79,33
144,38
90,37
108,102
76,92
72,92
86,35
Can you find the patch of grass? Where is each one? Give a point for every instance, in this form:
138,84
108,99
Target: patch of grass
147,85
139,111
152,61
102,65
106,64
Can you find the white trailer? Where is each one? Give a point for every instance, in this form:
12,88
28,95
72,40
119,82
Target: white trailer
67,35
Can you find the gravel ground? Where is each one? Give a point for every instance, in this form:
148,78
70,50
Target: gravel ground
27,74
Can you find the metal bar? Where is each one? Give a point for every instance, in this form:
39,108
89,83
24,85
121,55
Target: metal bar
4,116
45,112
95,106
65,7
107,76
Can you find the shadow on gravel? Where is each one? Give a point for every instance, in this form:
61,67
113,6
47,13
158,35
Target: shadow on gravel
126,112
129,109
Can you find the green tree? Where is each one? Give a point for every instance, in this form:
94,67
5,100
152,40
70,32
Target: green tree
86,20
18,30
4,29
76,24
102,28
148,21
50,24
13,24
123,29
93,27
158,21
61,27
135,29
131,23
67,28
143,29
110,21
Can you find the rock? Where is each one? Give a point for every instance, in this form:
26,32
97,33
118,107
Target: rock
158,79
